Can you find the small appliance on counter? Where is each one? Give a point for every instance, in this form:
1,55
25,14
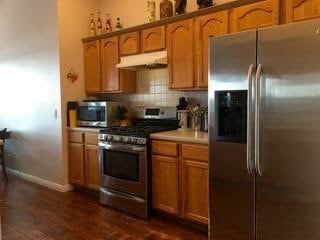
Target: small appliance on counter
125,163
72,114
99,113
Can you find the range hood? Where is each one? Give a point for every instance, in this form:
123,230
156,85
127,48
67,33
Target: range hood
144,61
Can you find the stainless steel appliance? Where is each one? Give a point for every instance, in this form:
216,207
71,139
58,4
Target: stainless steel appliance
124,156
264,169
98,113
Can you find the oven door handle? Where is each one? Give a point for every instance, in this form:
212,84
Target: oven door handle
122,147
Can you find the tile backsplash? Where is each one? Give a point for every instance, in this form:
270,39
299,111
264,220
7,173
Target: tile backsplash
153,90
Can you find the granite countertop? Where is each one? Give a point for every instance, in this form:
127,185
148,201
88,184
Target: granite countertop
182,136
85,129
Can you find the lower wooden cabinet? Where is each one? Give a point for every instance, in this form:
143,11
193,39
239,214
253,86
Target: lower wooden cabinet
83,160
76,164
92,167
195,190
165,183
180,183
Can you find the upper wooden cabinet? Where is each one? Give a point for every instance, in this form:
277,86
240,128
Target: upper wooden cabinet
153,39
101,73
92,66
260,14
297,10
109,60
180,47
130,43
206,26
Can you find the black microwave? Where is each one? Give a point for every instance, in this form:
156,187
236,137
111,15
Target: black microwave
97,114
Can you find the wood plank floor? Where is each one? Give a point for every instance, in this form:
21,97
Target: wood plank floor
32,212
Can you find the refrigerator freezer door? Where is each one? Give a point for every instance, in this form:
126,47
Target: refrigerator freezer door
288,192
231,186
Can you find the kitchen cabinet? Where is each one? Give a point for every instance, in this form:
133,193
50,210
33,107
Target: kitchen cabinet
101,73
297,10
153,39
92,66
256,15
165,184
83,159
180,179
76,163
214,24
195,182
129,43
180,47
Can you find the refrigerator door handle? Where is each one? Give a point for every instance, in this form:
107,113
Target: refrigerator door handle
249,119
257,120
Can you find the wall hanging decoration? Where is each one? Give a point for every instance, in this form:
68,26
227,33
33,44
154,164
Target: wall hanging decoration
204,3
72,76
180,6
151,9
166,9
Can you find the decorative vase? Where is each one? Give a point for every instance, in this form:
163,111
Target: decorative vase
180,6
151,9
166,9
204,3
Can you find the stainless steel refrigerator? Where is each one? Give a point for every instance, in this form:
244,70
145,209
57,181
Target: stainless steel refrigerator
264,134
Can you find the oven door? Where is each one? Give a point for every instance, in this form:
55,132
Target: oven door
123,167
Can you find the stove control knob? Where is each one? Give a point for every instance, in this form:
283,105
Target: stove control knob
118,139
128,140
134,140
109,137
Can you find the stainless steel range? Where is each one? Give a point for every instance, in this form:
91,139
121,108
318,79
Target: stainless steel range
124,155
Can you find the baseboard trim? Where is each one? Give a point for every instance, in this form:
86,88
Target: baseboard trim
40,181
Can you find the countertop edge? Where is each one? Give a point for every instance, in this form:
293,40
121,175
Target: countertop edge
162,136
84,129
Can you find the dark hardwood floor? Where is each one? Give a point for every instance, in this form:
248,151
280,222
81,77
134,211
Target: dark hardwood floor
32,212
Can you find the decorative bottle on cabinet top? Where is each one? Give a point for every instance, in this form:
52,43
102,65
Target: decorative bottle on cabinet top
180,7
151,9
108,24
99,24
92,25
166,9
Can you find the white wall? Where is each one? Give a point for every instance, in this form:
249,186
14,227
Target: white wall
30,86
134,13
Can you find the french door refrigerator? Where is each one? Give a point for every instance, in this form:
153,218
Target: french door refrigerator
264,134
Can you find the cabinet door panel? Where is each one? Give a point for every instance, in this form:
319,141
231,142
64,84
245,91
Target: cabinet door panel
195,191
109,60
297,10
92,167
76,164
206,26
165,184
92,66
260,14
130,43
180,54
153,39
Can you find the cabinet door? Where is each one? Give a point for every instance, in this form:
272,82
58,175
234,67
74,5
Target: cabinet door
109,60
180,54
76,164
297,10
206,26
92,167
260,14
92,66
195,190
153,39
130,43
165,178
